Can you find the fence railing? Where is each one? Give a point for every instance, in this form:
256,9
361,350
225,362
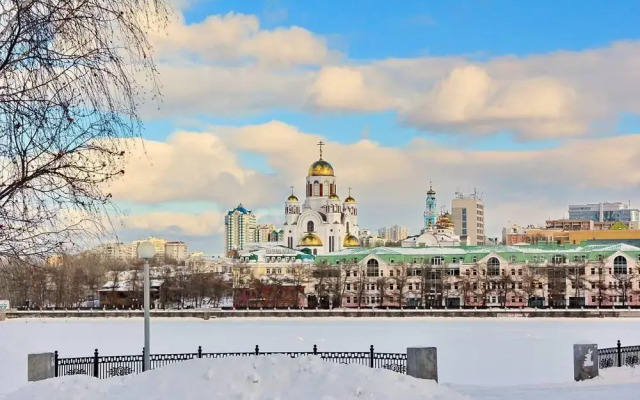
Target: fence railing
619,356
109,366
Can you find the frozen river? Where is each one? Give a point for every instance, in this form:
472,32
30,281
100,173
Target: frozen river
470,351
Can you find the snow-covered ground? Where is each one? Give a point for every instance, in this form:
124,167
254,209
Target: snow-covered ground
282,378
485,352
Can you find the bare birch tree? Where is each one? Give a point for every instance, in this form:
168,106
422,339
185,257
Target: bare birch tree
71,82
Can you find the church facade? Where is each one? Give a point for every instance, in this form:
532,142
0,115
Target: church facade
322,223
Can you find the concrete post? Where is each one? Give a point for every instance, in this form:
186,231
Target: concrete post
40,366
585,361
422,362
3,315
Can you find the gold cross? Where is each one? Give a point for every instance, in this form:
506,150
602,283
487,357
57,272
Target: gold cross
349,192
292,190
320,144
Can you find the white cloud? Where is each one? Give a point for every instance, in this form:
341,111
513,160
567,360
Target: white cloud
175,223
389,183
238,38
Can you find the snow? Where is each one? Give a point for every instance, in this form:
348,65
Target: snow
471,351
283,378
255,378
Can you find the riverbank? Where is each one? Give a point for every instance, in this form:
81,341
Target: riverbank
338,313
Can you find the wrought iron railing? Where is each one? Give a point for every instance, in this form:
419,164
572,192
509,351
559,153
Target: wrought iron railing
619,356
109,366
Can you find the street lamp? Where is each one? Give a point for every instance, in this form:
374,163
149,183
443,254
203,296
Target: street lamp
146,251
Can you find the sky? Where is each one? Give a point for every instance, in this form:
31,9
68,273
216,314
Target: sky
534,104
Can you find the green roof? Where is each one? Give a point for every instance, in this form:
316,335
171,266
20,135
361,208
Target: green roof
522,253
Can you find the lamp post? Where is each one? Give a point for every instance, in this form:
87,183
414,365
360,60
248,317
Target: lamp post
146,251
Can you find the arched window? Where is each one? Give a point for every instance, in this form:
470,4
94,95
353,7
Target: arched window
493,267
620,266
348,226
373,268
310,227
316,188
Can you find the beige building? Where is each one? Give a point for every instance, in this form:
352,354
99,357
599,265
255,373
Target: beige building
394,233
468,217
176,250
114,251
158,243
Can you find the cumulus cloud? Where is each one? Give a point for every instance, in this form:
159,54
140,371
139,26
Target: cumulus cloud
238,38
345,89
389,183
175,223
229,64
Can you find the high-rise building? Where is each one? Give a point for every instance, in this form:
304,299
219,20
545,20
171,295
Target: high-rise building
606,212
240,225
114,251
176,250
394,233
468,217
430,210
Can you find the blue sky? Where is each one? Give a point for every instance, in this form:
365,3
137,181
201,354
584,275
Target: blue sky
528,82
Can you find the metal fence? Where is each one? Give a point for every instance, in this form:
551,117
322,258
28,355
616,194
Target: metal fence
619,356
109,366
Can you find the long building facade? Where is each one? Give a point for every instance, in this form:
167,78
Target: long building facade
482,276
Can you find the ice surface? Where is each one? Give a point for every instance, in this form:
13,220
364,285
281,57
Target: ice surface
487,352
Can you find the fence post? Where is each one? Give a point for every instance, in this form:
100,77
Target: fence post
95,363
619,346
315,349
55,362
371,356
585,361
422,362
143,350
257,350
40,366
199,351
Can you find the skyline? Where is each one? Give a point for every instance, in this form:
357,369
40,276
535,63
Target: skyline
514,100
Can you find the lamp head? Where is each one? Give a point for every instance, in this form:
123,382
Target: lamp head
146,250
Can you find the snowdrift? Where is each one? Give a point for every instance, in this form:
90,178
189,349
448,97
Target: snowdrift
255,378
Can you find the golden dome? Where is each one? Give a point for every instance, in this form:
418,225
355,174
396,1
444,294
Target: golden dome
310,239
351,241
321,168
349,200
292,198
334,197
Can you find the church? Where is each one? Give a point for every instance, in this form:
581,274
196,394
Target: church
322,223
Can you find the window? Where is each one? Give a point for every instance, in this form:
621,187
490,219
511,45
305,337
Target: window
392,261
454,260
559,259
411,286
316,188
620,265
513,271
474,259
391,272
348,300
513,259
535,258
348,286
493,266
475,272
593,271
599,257
593,299
437,260
310,226
373,267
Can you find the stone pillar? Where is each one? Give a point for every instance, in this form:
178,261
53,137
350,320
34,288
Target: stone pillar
422,362
585,361
41,366
3,315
